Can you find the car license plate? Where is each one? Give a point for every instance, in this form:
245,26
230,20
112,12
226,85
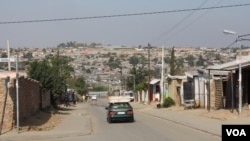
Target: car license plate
120,113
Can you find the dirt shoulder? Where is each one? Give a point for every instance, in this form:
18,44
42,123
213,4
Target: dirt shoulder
43,120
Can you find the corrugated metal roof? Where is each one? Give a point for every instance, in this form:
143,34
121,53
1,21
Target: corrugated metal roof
231,65
191,73
215,72
176,77
154,81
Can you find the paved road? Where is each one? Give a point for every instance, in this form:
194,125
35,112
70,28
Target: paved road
145,128
72,127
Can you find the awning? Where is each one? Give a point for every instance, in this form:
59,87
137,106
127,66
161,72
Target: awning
154,81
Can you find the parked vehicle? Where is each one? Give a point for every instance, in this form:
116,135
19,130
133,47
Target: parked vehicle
119,109
94,97
130,94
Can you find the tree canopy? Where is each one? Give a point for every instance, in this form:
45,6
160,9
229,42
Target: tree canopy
172,63
52,72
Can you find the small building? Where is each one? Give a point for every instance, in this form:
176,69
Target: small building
175,90
154,94
230,90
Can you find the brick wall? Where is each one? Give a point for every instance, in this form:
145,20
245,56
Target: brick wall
31,100
29,97
45,99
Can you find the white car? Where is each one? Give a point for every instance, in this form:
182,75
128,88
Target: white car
130,94
93,97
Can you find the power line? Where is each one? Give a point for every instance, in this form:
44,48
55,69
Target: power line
179,23
185,27
124,15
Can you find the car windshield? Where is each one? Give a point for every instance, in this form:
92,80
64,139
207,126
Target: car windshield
119,105
130,94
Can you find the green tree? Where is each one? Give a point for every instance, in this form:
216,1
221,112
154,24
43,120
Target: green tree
179,62
179,66
41,71
200,61
100,88
88,71
78,84
142,86
134,60
140,74
61,45
4,55
190,60
172,63
167,60
44,50
114,62
28,55
217,56
52,72
155,60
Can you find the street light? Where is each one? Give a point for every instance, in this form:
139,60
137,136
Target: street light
238,39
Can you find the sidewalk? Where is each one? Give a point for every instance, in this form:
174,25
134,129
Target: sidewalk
76,123
200,119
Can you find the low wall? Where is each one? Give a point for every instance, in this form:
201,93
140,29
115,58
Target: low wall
31,100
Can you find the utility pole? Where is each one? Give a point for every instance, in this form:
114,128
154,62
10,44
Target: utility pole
149,77
238,40
17,93
8,50
162,77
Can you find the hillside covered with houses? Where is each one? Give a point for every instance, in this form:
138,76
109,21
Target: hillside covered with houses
116,66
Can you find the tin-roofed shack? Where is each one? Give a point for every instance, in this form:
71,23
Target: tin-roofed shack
231,85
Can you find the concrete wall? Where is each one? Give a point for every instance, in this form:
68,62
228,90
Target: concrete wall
31,100
172,90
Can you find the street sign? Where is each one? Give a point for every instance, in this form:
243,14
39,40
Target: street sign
7,60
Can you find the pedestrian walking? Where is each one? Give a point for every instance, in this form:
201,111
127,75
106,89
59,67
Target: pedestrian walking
66,99
73,97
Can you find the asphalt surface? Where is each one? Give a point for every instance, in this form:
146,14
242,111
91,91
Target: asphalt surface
79,123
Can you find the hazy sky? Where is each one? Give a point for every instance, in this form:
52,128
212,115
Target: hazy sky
174,25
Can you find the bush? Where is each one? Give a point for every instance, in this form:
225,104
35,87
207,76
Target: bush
158,105
168,102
